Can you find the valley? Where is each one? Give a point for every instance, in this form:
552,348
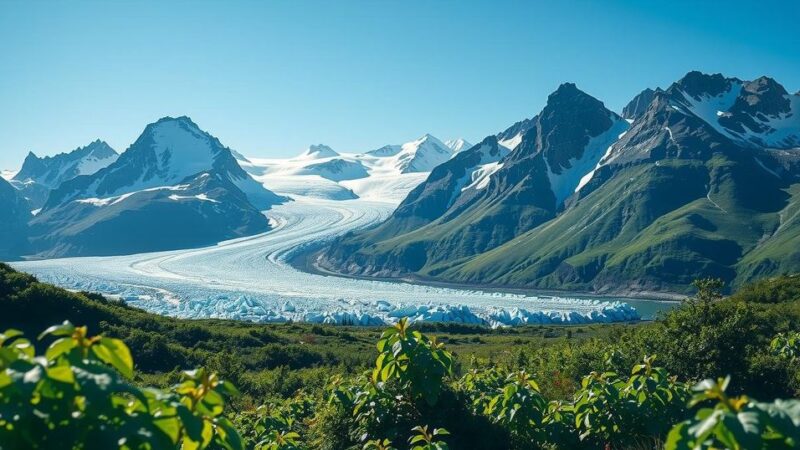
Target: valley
251,279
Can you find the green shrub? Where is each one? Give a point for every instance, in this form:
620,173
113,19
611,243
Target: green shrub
78,394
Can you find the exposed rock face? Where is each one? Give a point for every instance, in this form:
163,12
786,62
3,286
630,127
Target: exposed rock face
697,185
14,216
175,187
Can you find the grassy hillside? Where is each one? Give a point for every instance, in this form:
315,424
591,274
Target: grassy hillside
652,227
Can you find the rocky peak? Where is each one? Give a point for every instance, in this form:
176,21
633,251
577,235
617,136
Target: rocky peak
638,105
697,84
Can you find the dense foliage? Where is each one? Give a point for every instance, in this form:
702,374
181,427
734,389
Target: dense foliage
437,385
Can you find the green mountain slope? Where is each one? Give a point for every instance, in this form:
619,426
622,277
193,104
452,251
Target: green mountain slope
689,190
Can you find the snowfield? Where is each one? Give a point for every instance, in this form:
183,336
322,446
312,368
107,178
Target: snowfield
251,279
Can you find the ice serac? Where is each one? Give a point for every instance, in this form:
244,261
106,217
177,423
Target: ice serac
14,216
488,194
38,176
144,188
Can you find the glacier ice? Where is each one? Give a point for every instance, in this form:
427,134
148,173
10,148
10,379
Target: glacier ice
251,279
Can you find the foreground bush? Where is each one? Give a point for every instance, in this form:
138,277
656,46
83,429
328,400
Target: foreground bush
78,394
81,393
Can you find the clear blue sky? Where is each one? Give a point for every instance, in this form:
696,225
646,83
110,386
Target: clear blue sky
270,77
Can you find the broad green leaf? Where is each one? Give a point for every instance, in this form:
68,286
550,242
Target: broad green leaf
59,347
115,353
65,329
62,374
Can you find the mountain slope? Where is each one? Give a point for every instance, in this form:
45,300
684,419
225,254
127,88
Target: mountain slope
202,210
458,212
457,145
704,183
40,175
175,187
14,215
167,152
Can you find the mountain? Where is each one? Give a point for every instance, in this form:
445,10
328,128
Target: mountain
40,175
336,169
203,209
14,216
167,152
420,155
637,107
703,182
487,195
175,187
319,151
457,145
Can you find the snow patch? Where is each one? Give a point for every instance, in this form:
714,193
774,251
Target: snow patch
569,179
511,143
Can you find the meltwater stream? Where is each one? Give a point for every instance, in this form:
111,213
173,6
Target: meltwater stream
251,279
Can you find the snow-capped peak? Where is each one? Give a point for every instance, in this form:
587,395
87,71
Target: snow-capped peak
318,151
457,145
422,155
167,152
50,171
756,113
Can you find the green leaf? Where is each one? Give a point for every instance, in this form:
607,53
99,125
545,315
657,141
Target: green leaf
115,353
61,374
65,329
59,347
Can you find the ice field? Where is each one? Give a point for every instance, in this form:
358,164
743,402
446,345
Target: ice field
250,279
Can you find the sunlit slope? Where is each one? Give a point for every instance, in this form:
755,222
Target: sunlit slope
658,224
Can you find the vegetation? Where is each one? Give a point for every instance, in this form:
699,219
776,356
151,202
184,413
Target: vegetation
424,387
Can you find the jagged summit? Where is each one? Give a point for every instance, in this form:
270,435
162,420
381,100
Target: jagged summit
638,105
167,152
697,83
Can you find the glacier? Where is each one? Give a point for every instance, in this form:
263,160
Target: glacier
252,279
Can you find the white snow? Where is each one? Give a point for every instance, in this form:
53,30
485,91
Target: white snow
318,151
457,145
8,174
421,155
706,108
781,131
201,197
481,175
92,164
227,280
392,172
571,178
113,200
511,143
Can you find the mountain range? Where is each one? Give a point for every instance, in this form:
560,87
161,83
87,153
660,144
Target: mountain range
38,176
175,187
699,179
